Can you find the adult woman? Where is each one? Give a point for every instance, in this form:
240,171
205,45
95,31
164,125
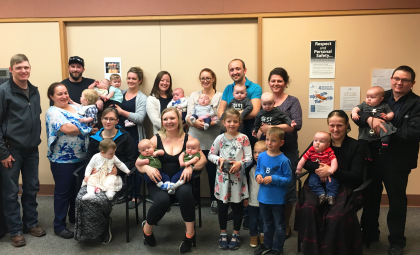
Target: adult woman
133,109
66,151
172,139
159,98
333,229
207,79
279,80
92,217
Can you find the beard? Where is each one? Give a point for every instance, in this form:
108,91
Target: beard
76,77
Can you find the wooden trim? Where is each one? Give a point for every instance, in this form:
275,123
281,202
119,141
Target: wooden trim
217,16
63,49
260,50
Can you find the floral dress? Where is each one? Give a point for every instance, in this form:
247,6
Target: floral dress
231,187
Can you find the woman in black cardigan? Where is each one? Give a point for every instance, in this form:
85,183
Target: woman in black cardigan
334,229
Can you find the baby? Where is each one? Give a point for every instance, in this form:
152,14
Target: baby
88,107
270,115
149,156
101,87
103,162
322,153
179,101
240,102
203,110
378,109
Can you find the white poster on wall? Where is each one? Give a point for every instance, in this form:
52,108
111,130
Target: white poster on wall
111,66
322,64
321,99
349,98
382,78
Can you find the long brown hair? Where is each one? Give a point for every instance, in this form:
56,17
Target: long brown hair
155,89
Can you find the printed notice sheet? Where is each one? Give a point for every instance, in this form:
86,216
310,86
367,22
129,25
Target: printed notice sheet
382,78
322,63
349,98
321,99
111,66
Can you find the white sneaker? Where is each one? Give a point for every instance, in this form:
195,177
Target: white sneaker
206,126
88,197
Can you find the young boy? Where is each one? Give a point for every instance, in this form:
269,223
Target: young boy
256,230
179,101
88,107
273,174
270,115
378,109
321,152
203,110
240,102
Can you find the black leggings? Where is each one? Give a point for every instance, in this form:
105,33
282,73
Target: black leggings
211,172
162,201
237,209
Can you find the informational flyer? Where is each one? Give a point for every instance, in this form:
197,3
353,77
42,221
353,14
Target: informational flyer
349,98
321,99
111,66
322,65
382,78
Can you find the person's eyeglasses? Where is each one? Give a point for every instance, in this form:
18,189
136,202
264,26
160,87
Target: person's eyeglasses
405,81
205,79
109,119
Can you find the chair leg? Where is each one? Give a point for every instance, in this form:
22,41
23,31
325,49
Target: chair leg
135,198
144,197
199,206
127,223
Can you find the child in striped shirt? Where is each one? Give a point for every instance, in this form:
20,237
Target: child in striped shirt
321,152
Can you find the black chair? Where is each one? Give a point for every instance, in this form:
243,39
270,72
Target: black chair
128,189
196,193
361,188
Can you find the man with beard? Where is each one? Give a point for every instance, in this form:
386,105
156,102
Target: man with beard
76,83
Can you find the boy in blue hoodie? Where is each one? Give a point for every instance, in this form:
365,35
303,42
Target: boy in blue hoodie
273,174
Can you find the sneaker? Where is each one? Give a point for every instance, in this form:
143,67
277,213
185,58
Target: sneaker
223,242
206,126
128,123
106,236
395,250
253,242
261,237
331,200
276,252
235,242
148,240
322,199
186,245
214,208
245,224
261,250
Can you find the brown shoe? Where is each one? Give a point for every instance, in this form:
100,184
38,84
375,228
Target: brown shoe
253,242
35,231
18,240
322,199
331,200
261,237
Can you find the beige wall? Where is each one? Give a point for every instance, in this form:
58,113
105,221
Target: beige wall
363,43
40,43
181,48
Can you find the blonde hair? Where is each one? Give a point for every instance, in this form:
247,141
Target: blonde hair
114,76
276,131
107,144
162,131
327,135
91,96
260,144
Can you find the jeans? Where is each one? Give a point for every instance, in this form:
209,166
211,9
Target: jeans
256,224
26,162
274,221
64,192
315,184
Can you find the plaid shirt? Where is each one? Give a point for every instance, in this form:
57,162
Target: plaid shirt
92,112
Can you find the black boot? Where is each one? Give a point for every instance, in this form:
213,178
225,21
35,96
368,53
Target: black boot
186,244
148,240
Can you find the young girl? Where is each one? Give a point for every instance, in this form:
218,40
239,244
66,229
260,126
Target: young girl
231,186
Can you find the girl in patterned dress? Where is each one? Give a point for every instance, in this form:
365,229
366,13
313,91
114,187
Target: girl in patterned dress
231,187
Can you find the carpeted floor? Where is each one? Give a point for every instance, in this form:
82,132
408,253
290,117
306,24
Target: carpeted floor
169,234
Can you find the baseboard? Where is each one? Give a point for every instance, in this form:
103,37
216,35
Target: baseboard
412,200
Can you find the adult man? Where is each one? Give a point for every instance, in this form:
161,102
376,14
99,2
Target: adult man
237,71
20,111
393,165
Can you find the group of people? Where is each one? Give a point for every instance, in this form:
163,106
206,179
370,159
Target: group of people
246,140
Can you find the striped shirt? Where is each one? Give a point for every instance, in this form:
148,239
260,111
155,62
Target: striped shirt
324,157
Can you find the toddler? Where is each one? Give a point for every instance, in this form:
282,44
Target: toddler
256,230
203,110
240,102
102,180
321,152
270,115
150,156
179,101
87,108
231,152
101,87
378,109
274,174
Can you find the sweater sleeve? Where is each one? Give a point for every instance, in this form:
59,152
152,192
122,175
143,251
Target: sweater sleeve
354,173
283,176
247,109
215,151
121,165
90,166
309,165
257,123
153,111
296,113
138,116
